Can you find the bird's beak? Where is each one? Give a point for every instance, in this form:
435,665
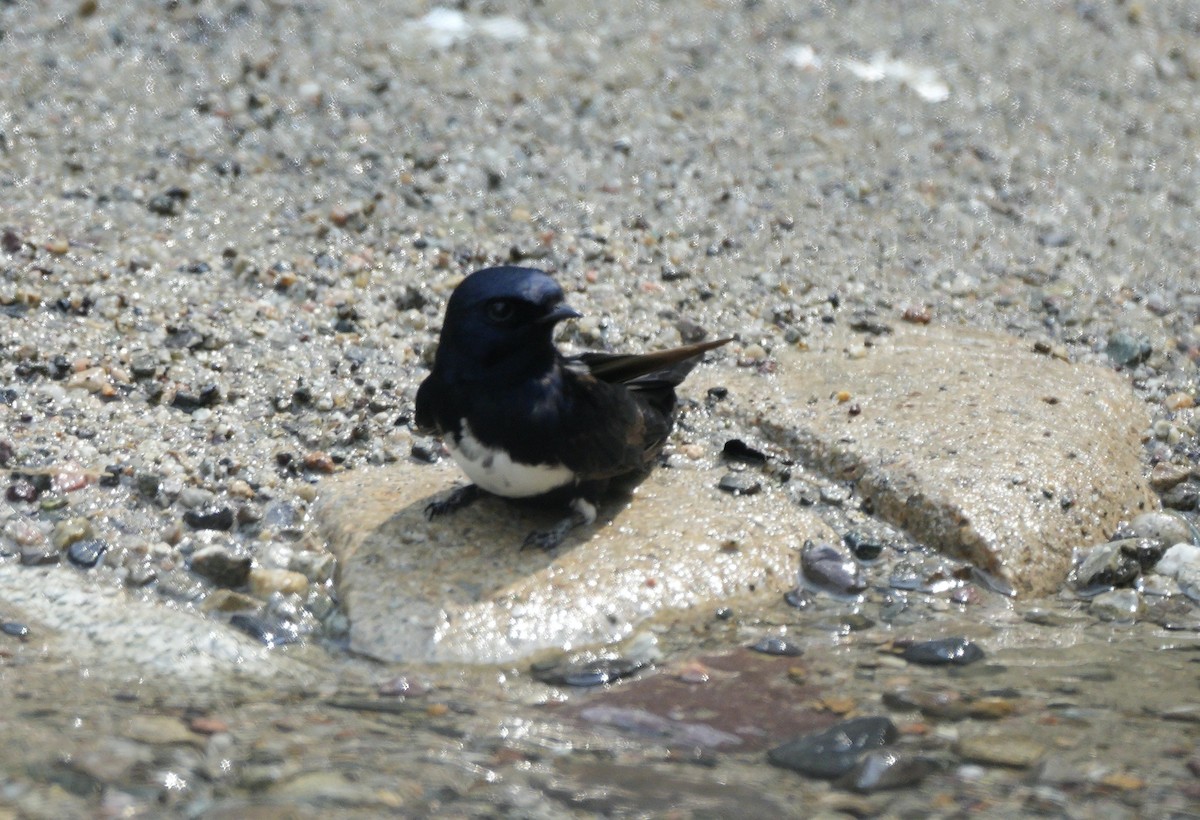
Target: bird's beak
561,311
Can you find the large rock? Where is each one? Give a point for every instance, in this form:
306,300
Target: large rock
461,588
971,442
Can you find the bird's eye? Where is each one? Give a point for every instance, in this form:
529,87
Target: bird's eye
500,310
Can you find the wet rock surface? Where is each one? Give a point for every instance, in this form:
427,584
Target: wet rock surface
226,237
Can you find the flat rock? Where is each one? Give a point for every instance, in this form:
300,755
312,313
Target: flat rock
460,588
79,621
970,441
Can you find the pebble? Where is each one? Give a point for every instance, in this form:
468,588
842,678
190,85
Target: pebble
1166,475
739,483
885,769
1125,349
221,565
773,645
14,630
270,632
263,582
70,530
835,751
825,568
22,490
1012,750
214,517
586,672
1122,605
159,730
1105,565
35,555
944,651
87,552
1167,527
864,547
1176,558
226,600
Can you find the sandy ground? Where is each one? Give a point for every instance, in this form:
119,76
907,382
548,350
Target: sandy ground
228,232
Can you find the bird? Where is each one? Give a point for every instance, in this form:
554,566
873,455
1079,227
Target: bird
524,421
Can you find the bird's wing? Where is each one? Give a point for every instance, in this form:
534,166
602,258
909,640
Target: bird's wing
666,366
426,414
608,430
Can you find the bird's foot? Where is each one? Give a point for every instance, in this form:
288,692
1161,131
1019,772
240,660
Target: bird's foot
582,512
461,497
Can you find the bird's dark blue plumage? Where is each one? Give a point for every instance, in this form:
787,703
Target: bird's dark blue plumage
524,421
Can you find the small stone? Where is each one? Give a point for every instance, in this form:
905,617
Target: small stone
36,555
1176,558
215,517
835,751
1179,401
945,651
70,530
864,547
586,672
86,553
773,645
1167,527
22,490
1014,751
825,568
887,769
1165,475
147,483
15,630
226,600
1184,496
1126,350
739,483
159,730
221,566
263,582
1122,605
268,631
1105,565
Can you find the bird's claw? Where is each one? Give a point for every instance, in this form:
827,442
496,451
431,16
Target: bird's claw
458,499
547,540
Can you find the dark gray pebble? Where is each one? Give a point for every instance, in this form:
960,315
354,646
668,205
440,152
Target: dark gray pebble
594,672
825,568
87,552
1105,566
887,769
739,483
1184,496
147,483
222,566
718,393
216,517
14,629
424,453
945,651
772,645
168,203
864,547
835,751
1126,350
269,632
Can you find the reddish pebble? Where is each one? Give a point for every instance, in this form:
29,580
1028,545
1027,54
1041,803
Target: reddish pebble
918,314
321,462
208,725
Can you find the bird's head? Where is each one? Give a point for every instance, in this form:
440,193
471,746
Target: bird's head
502,319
